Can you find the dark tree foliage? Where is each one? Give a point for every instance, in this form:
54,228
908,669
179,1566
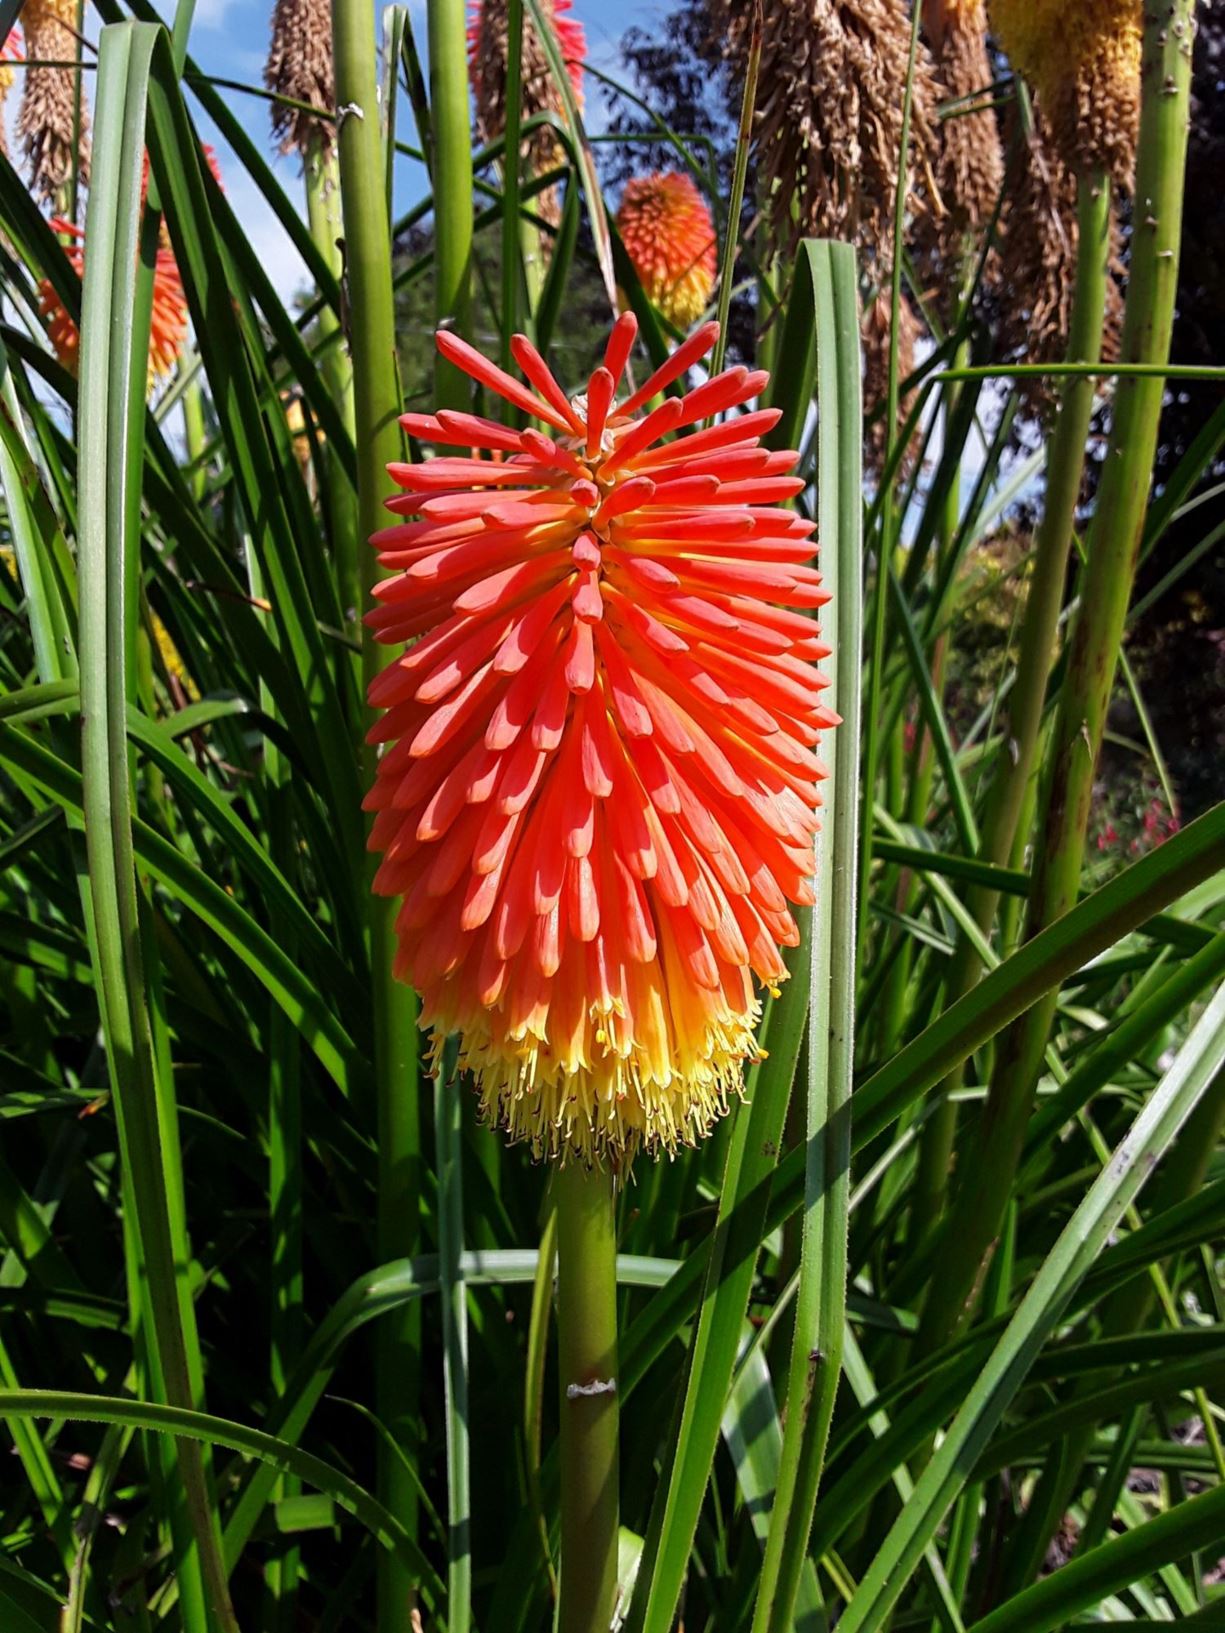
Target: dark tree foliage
1180,647
1199,329
682,78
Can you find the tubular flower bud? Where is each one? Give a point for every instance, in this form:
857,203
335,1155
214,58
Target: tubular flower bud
669,236
828,131
47,118
538,92
1083,59
598,794
168,330
299,68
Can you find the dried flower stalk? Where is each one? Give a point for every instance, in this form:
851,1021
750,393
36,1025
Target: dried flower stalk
299,68
46,120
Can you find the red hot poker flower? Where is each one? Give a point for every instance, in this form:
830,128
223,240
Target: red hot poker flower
168,331
600,793
670,239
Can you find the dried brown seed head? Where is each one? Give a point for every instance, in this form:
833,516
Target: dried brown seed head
47,121
299,67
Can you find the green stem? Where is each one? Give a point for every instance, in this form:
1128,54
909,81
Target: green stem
515,243
376,403
587,1353
815,1367
1039,638
1127,1311
285,1146
447,25
744,139
1113,548
921,770
448,1121
322,177
193,425
115,304
885,538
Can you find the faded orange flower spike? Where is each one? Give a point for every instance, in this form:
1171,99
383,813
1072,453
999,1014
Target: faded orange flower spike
10,52
600,790
168,331
669,236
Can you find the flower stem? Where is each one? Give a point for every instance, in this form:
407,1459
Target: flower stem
376,402
1114,542
587,1350
193,428
887,537
452,175
322,178
1039,636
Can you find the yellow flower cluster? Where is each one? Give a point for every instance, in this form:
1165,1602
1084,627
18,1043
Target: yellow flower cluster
1083,59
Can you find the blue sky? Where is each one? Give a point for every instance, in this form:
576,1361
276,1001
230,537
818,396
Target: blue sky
230,39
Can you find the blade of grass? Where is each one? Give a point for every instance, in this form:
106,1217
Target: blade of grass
815,1368
201,1428
727,1274
113,357
448,1108
731,240
597,217
885,539
754,1439
1084,1583
452,180
512,227
1061,1272
283,977
377,406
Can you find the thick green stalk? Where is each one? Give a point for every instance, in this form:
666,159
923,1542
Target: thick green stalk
449,1171
815,1367
114,347
1039,637
587,1354
452,175
922,766
921,770
517,250
193,426
1114,542
731,237
376,402
322,176
886,539
1126,1311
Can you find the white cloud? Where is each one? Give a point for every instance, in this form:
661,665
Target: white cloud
212,13
208,13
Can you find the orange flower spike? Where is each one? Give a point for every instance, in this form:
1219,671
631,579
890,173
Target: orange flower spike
669,237
600,790
168,328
